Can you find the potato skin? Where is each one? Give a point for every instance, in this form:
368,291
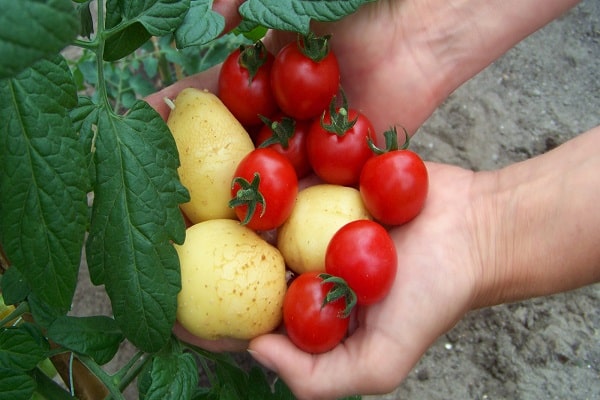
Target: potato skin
319,212
211,143
233,282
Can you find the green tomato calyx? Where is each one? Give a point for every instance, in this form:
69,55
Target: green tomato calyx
248,195
339,290
391,141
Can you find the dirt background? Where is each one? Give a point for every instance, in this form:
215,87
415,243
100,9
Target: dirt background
541,93
538,95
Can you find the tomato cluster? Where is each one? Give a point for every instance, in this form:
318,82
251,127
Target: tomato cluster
301,123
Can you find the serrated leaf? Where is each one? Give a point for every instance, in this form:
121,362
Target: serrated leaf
295,15
16,384
135,219
22,347
29,32
200,26
174,376
98,337
43,180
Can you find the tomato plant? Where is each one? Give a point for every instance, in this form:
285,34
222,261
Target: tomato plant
364,255
245,84
394,184
288,137
337,144
316,308
264,189
87,164
305,76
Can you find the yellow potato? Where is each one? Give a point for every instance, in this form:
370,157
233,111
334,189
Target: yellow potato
211,143
319,212
233,282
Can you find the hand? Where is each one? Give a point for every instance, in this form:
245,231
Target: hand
434,287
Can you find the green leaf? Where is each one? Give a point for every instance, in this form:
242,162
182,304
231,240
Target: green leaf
43,180
258,386
13,286
16,384
125,42
135,219
200,26
174,376
22,347
295,15
132,23
98,337
29,32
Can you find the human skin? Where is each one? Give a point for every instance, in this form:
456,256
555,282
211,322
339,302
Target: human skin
483,238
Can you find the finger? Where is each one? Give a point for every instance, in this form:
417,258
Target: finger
229,10
216,346
348,369
204,80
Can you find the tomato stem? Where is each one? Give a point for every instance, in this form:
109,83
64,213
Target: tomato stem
252,57
340,289
340,122
282,131
391,141
314,47
248,195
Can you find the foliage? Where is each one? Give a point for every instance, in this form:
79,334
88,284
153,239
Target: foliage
98,171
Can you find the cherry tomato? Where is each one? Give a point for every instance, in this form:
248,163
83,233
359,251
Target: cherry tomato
338,150
394,185
244,84
264,189
364,255
312,325
303,86
288,137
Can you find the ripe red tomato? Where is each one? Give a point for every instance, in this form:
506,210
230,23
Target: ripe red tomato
303,87
244,84
394,186
310,324
364,255
264,189
338,157
288,137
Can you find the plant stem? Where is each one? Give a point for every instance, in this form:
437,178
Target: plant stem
21,309
132,369
103,376
101,86
49,388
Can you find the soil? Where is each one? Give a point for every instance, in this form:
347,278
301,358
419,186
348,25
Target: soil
540,94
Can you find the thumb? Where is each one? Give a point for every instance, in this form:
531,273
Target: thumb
348,369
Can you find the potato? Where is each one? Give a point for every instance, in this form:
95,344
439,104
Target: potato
319,212
211,143
233,282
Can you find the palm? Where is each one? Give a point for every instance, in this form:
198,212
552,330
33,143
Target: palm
433,289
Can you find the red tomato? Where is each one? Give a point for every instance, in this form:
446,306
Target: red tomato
364,255
264,189
303,87
244,84
338,157
288,137
312,326
394,186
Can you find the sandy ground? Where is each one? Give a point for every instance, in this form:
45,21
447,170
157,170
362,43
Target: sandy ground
541,93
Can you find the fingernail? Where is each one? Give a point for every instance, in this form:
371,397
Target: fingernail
258,357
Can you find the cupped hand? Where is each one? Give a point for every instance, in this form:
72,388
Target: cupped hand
436,283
